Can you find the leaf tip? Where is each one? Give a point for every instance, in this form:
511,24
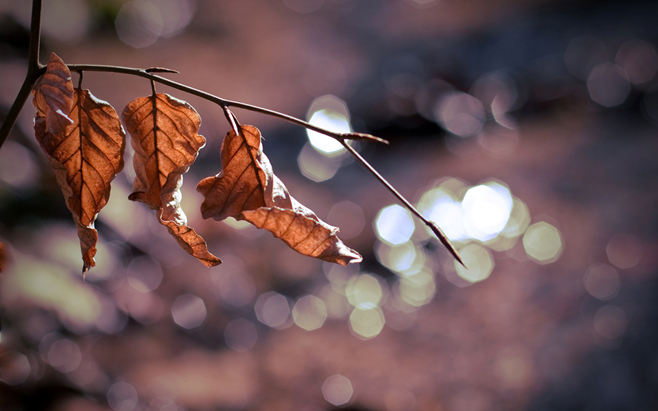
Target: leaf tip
211,262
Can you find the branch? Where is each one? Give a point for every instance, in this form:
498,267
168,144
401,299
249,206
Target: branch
34,71
431,224
148,73
225,104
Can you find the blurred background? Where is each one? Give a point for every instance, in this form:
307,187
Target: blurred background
527,129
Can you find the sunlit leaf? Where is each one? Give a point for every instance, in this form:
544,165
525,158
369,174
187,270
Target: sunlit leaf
165,137
86,157
241,183
247,189
53,95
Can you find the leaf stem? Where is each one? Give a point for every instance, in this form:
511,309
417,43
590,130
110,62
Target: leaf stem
431,224
34,71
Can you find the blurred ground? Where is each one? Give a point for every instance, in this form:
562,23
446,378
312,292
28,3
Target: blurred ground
526,129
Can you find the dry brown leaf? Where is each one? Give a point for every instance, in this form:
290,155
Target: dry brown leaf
86,157
53,95
165,137
247,189
241,183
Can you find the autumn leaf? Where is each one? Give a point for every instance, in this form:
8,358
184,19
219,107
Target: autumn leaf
165,137
85,156
247,189
53,95
242,182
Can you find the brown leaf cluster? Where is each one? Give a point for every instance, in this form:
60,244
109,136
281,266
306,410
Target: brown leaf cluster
84,140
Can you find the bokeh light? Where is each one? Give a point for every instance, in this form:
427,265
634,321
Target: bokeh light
482,214
610,322
144,273
440,204
364,289
337,304
519,219
309,312
188,311
602,281
140,23
583,54
639,59
15,367
330,113
608,85
460,113
394,225
273,310
624,251
543,242
366,321
404,259
337,390
487,209
60,352
417,289
316,166
479,261
122,396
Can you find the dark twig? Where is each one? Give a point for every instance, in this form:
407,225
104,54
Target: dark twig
431,224
222,102
33,73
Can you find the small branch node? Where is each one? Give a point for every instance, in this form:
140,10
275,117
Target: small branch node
161,70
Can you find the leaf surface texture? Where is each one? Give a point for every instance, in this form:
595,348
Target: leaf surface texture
165,138
53,96
86,156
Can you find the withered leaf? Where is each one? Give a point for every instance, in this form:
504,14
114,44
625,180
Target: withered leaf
247,189
241,183
165,137
86,157
53,95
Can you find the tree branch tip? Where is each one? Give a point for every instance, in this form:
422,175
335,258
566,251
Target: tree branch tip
446,242
161,70
365,137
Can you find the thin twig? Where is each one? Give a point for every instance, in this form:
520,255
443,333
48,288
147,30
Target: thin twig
33,73
223,102
431,224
